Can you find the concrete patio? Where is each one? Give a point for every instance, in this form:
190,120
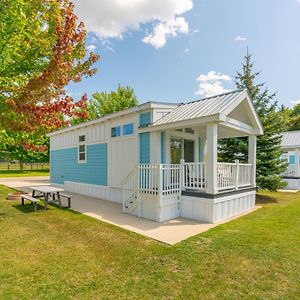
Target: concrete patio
170,232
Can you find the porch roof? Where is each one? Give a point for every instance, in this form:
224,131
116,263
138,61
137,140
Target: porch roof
201,108
225,108
290,140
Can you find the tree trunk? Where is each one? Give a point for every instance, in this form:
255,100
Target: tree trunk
21,165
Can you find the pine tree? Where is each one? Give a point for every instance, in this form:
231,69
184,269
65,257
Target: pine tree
268,163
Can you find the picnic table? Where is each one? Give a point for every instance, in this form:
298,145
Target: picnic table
47,191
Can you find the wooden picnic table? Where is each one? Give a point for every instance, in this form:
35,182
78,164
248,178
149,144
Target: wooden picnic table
46,191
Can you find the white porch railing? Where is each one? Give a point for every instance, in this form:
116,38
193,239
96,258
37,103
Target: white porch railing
170,179
233,175
290,171
194,176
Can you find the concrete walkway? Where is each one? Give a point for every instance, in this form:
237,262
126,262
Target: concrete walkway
170,232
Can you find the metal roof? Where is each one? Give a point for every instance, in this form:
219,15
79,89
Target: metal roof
201,108
290,139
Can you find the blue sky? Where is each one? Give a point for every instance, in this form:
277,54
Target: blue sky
161,51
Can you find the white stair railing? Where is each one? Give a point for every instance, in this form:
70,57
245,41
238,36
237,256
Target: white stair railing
130,187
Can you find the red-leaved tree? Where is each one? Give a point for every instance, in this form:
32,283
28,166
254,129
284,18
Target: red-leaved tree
39,103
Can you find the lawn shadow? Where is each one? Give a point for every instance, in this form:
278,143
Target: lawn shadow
28,208
263,199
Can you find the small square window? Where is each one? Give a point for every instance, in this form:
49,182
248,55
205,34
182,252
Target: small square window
128,129
82,156
81,148
115,131
81,138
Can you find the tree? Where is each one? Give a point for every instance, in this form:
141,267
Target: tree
24,147
292,118
106,103
268,161
42,49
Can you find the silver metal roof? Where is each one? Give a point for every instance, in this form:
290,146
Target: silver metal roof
200,108
290,139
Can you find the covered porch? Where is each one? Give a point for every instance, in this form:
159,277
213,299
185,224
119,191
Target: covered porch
184,156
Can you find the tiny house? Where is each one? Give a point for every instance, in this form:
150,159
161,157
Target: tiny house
290,146
160,160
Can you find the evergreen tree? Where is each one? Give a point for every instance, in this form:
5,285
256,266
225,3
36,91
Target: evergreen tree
268,163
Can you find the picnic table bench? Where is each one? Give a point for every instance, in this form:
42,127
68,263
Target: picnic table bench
33,200
63,195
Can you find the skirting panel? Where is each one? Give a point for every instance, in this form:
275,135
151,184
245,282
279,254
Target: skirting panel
293,183
170,208
148,208
216,210
97,191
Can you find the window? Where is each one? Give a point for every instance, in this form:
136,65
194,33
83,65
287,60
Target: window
115,131
189,130
81,138
81,149
128,129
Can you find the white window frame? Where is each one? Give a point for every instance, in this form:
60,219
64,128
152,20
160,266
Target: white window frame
83,143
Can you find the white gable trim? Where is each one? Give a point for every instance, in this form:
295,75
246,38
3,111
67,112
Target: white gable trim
253,117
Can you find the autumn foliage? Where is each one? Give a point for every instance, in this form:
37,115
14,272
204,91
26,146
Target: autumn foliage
37,100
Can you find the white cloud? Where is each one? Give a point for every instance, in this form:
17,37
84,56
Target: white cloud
91,47
162,31
295,101
241,38
212,83
114,18
109,49
186,50
298,1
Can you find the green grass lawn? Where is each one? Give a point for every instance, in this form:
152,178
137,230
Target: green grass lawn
17,173
59,254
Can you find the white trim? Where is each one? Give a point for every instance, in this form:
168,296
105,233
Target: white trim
182,124
87,144
88,184
254,116
125,112
240,126
211,170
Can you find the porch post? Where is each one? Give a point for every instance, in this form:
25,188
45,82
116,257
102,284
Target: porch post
297,162
252,158
211,168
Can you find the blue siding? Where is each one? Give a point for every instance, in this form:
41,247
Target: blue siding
145,119
65,166
145,148
163,147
